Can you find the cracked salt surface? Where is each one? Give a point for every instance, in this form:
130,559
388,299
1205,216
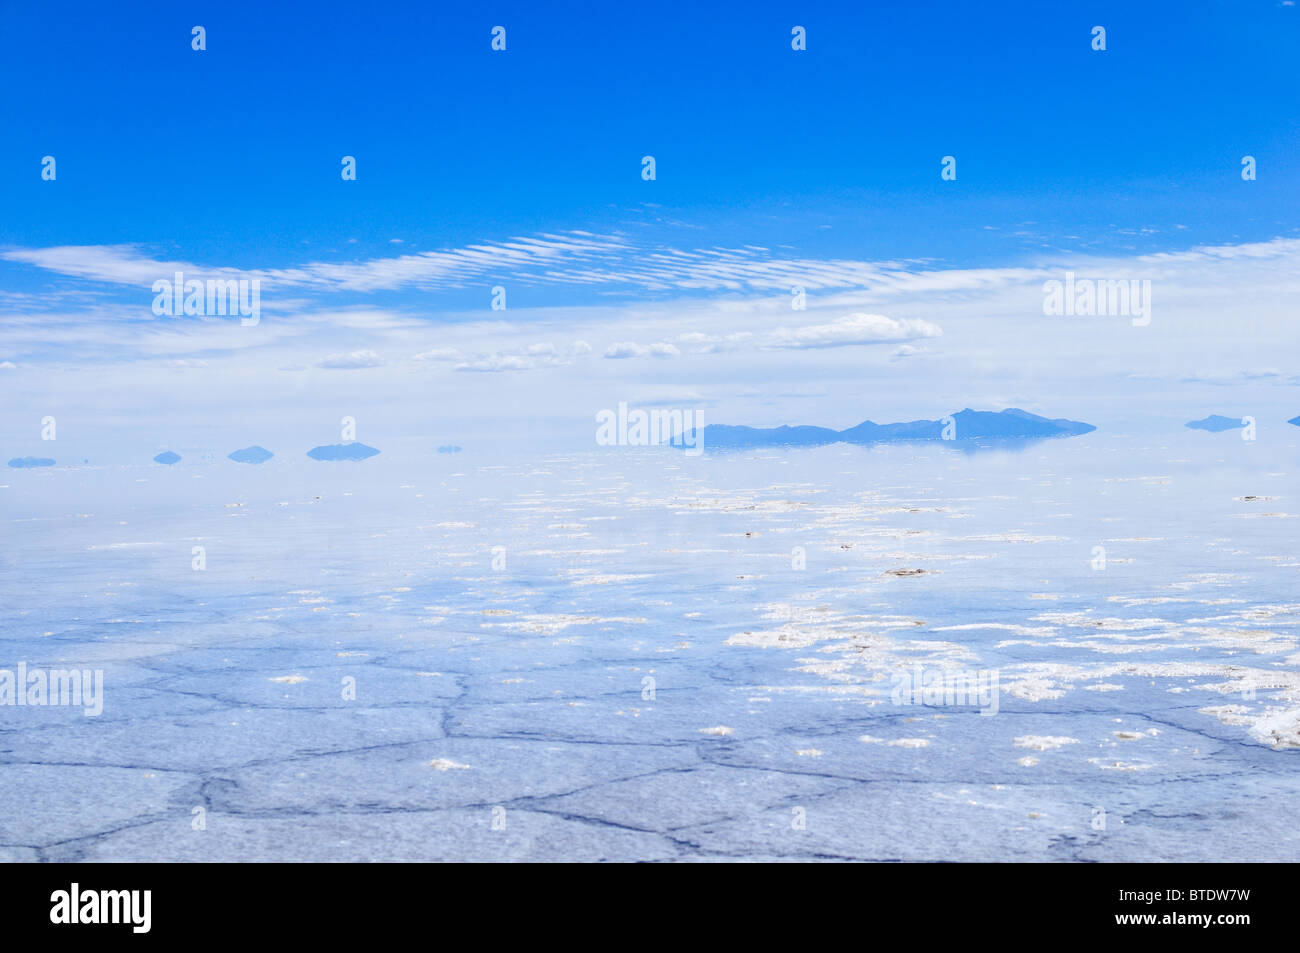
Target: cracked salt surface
651,677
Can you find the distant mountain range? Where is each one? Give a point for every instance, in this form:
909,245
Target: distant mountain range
964,426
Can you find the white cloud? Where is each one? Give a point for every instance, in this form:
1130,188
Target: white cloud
541,354
1217,311
853,329
352,361
849,330
1229,377
621,350
701,343
584,259
438,354
498,362
128,265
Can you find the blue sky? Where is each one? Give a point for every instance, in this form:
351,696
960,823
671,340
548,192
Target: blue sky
233,154
771,165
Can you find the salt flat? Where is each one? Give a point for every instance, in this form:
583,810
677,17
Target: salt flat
630,654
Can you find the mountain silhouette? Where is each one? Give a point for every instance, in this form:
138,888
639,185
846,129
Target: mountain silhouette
964,426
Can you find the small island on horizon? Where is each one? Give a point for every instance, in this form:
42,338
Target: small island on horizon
253,454
1216,423
342,451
